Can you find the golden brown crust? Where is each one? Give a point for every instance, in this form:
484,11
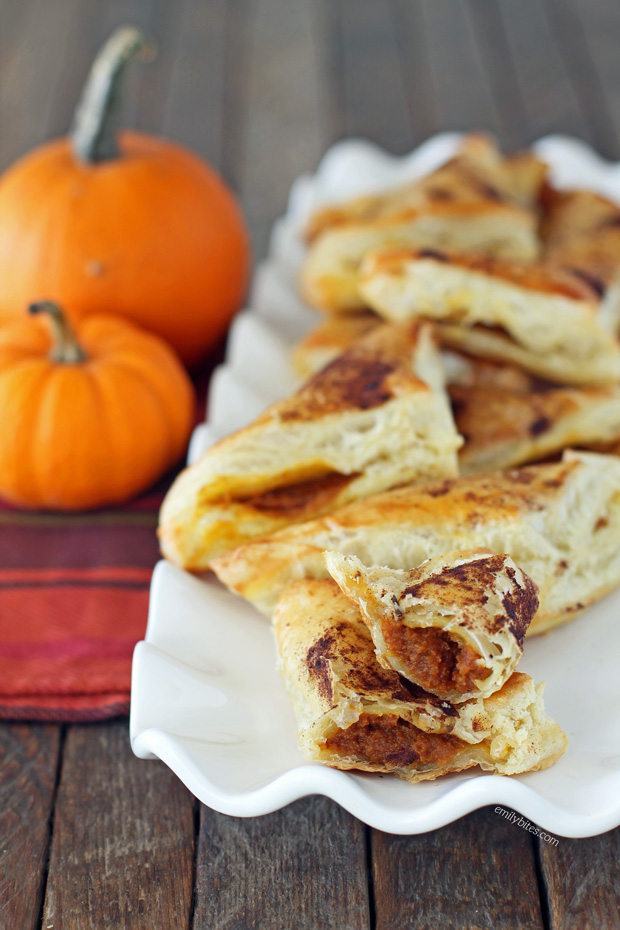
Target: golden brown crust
328,340
465,587
346,644
478,202
547,319
476,179
581,232
540,515
351,713
459,501
373,370
376,417
544,278
509,418
453,625
326,633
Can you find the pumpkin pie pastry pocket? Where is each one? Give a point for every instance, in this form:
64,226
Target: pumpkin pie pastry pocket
560,522
354,714
549,320
580,233
479,202
508,417
454,625
376,417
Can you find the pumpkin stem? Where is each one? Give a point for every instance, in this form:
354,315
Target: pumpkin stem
97,115
65,347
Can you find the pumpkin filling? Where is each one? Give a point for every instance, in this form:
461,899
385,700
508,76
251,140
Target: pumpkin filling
434,659
390,741
295,498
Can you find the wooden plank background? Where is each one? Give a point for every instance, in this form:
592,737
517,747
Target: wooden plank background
89,835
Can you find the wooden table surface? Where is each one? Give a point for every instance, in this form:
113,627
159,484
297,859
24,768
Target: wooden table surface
91,837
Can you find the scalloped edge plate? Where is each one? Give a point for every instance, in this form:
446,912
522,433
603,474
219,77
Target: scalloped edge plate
206,698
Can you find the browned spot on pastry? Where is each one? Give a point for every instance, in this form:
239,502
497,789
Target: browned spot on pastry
487,191
473,577
600,523
574,608
364,386
539,426
545,279
591,280
317,663
368,678
439,194
439,490
349,382
520,605
433,253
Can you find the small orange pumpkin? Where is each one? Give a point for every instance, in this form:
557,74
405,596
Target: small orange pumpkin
91,422
129,224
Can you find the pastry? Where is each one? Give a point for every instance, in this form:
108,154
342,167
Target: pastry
560,522
454,625
331,337
545,319
376,417
581,233
353,714
477,202
508,417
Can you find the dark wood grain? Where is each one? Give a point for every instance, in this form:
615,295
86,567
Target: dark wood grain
463,96
14,22
283,134
194,111
162,20
90,27
375,105
413,49
547,92
30,73
570,33
28,767
600,22
123,844
478,874
496,58
303,867
45,64
582,881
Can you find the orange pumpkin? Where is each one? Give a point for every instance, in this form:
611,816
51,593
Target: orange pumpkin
133,225
87,423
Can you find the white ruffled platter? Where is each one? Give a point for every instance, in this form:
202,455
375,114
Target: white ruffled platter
206,698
